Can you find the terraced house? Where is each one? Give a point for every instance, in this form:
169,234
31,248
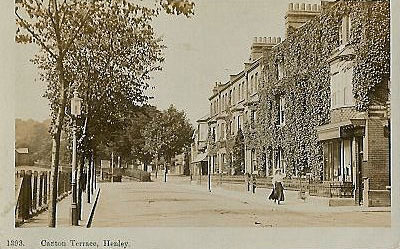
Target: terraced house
232,104
323,111
314,105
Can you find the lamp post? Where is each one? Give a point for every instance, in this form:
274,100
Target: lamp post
165,171
112,166
75,112
209,172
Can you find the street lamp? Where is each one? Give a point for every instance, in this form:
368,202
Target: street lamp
75,112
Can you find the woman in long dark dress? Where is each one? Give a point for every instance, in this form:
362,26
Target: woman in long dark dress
277,192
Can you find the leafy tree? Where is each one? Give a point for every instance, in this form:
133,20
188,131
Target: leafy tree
35,136
135,131
238,153
155,137
62,28
179,132
54,27
115,63
178,7
168,134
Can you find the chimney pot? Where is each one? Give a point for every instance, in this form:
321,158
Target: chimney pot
296,6
279,40
309,7
318,7
255,39
290,6
264,39
274,40
303,6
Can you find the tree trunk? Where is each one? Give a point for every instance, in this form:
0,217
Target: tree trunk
55,152
89,178
81,185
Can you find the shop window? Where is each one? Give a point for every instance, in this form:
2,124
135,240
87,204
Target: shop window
337,160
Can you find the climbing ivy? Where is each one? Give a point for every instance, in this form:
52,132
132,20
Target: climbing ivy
306,82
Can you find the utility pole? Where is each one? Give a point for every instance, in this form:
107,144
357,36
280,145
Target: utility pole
112,166
165,172
209,174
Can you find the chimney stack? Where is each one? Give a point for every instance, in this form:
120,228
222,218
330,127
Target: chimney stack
298,14
260,45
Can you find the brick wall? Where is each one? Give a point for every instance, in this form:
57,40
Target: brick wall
377,166
379,198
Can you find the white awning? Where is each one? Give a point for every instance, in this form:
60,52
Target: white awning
335,130
202,157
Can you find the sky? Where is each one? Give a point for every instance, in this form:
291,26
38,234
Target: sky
201,50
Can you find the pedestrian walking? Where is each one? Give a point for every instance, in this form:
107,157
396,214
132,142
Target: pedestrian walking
277,191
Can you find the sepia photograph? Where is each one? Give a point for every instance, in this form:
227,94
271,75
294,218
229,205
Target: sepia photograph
219,124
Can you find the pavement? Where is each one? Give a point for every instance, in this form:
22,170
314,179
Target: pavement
63,214
183,203
292,200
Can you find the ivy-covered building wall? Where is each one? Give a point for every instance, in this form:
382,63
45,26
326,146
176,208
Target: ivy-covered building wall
295,98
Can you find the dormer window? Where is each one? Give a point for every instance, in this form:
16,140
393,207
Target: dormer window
344,30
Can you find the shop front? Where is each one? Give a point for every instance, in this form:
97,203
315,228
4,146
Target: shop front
342,145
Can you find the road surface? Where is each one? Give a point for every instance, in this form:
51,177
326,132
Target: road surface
177,204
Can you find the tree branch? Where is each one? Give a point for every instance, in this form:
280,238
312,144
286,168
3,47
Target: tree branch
69,43
35,35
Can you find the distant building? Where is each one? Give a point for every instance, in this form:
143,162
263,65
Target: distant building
232,105
22,157
199,157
